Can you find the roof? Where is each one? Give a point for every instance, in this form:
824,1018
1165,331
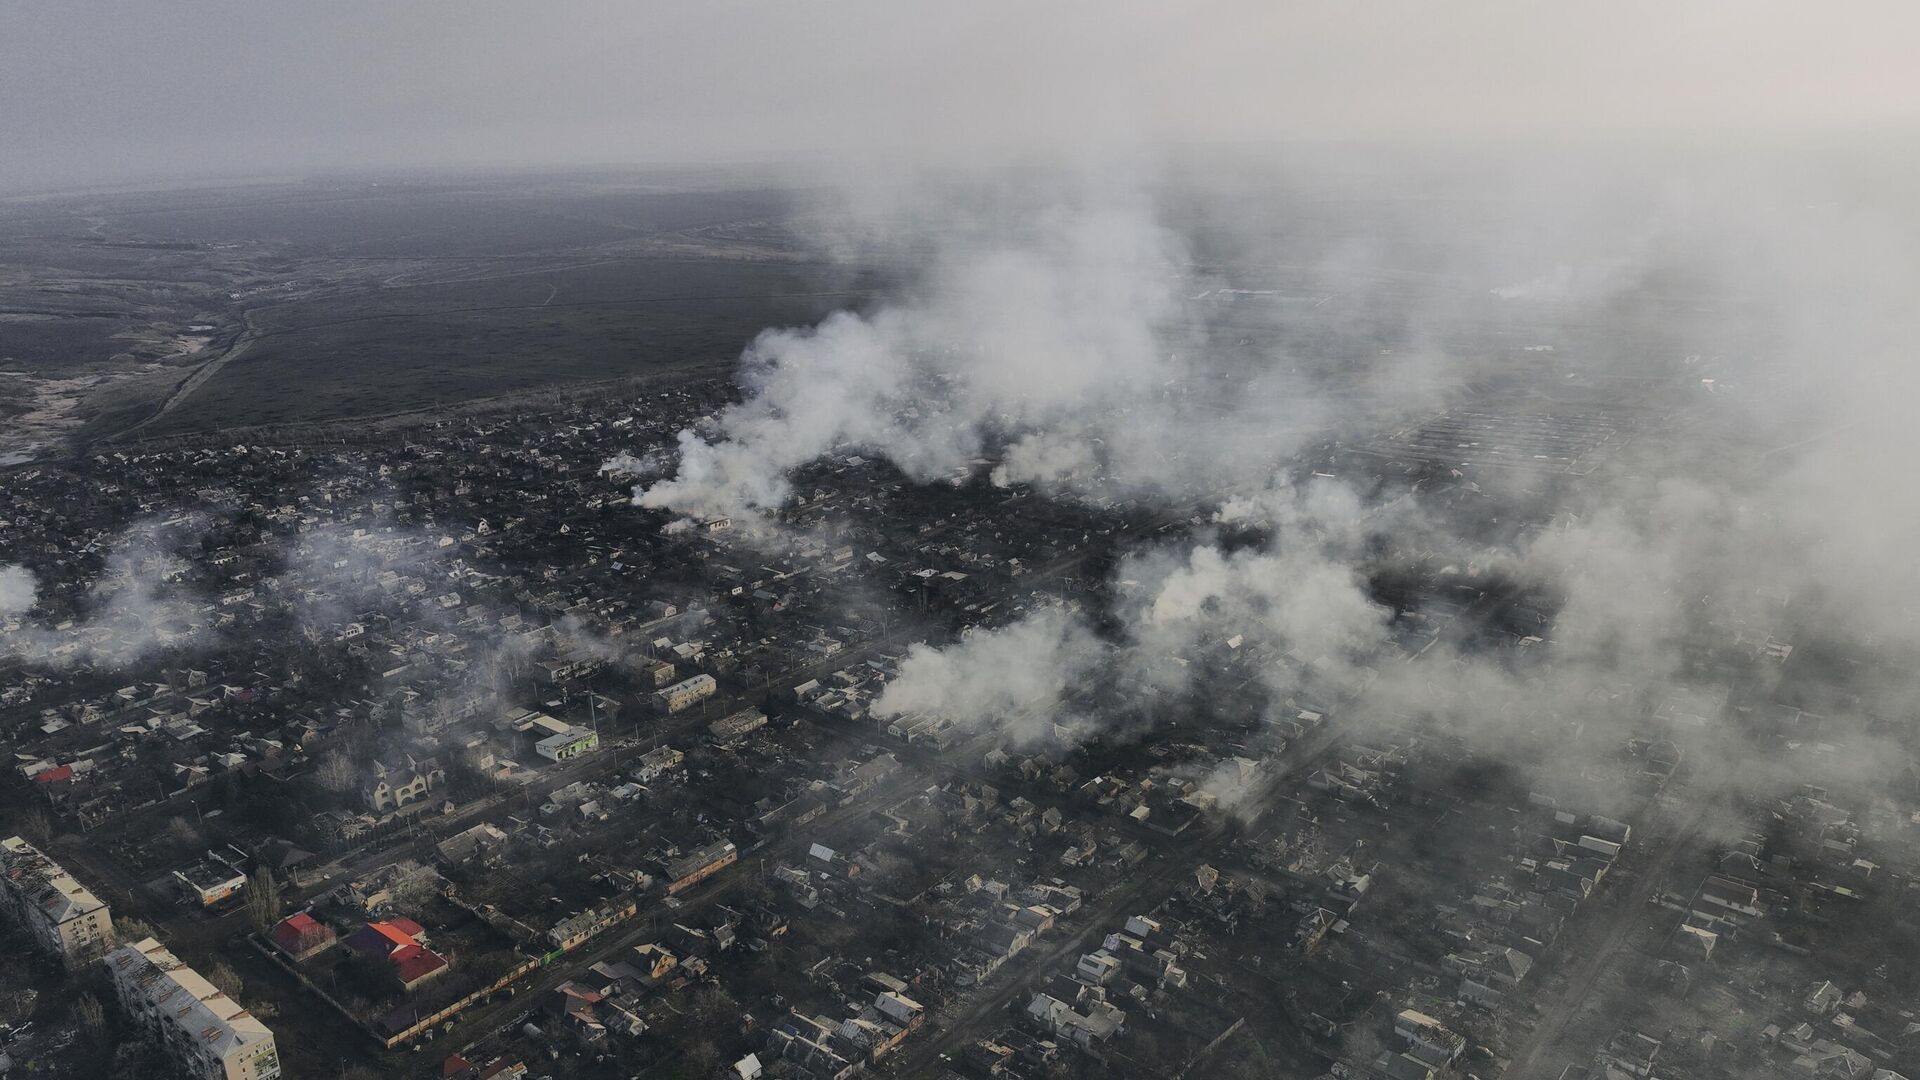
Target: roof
566,738
43,883
385,937
296,930
185,999
284,855
413,963
699,860
401,932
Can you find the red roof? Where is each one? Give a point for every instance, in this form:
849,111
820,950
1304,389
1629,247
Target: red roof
401,932
298,931
60,772
385,937
413,963
455,1065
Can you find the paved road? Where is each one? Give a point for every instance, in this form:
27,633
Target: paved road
1672,831
195,380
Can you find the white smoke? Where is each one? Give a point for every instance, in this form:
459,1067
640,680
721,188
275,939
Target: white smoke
1046,460
1044,331
638,467
1013,679
17,589
133,608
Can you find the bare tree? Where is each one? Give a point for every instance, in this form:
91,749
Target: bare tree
703,1056
335,771
128,928
91,1016
263,900
37,824
417,890
221,974
183,831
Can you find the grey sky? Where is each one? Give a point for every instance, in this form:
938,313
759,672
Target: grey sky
99,92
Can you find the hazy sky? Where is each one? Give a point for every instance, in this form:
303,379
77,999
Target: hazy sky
98,92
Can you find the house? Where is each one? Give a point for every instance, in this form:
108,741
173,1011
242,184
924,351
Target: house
380,887
286,861
686,872
575,930
480,843
1101,1021
659,673
568,744
210,881
685,693
580,1006
809,1042
737,725
1823,998
392,788
1428,1039
899,1009
1632,1052
1696,941
1098,968
340,826
654,961
400,942
301,936
658,762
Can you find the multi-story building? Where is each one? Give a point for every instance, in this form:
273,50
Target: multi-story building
686,692
392,788
688,871
64,917
737,725
568,744
208,1034
211,880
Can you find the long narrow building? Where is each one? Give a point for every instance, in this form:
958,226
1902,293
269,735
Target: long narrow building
64,916
208,1034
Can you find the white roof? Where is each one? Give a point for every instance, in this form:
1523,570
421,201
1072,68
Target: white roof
185,999
44,883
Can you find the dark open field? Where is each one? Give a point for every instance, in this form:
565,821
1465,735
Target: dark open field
405,348
169,312
165,312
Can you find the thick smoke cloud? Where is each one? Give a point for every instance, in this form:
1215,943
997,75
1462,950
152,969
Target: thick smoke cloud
1295,600
17,589
134,608
1039,335
1013,679
1755,506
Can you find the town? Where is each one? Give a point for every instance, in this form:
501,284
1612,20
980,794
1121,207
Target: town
427,752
